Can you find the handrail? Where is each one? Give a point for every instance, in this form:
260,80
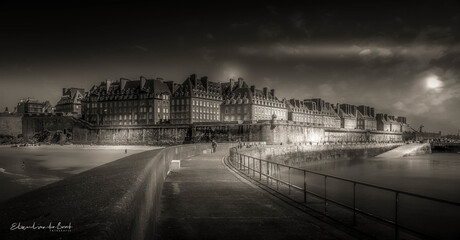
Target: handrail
360,183
273,173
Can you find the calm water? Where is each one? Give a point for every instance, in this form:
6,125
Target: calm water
436,175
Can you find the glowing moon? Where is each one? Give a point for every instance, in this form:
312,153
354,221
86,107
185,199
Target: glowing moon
433,82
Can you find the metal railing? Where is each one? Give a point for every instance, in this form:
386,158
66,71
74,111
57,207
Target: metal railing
293,183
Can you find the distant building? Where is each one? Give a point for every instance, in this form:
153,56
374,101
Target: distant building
307,111
366,118
243,103
32,105
195,100
387,123
127,102
70,101
348,115
403,122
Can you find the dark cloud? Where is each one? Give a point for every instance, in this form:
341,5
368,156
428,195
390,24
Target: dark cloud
376,53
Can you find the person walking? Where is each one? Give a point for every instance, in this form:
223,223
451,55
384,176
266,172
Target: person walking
240,145
214,146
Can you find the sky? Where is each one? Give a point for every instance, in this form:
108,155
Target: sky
401,58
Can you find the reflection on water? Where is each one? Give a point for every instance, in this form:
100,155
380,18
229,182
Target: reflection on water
436,175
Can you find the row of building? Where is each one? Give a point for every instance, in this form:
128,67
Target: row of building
155,101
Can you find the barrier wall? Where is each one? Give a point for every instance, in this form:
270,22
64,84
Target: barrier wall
275,132
118,200
303,154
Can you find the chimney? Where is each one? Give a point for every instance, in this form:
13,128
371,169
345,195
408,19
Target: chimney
143,80
232,84
108,83
372,113
123,82
265,92
253,88
240,82
63,91
193,80
205,82
170,85
273,92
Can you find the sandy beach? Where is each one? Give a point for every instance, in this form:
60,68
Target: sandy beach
23,169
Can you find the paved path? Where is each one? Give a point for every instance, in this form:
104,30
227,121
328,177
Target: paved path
204,200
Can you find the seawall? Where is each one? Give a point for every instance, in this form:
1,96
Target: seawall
272,132
118,200
302,155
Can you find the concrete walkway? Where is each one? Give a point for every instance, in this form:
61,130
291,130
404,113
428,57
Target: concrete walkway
205,200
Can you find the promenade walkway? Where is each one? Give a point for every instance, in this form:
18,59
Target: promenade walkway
205,200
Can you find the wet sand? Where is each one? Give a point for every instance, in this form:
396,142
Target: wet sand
26,168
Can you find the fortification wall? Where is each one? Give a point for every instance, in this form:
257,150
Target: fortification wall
303,155
271,132
10,125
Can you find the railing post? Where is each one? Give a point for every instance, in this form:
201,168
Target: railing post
268,173
253,167
396,216
354,203
289,180
241,160
304,186
325,194
277,176
260,170
247,165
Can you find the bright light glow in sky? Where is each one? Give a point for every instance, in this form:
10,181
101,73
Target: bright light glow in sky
433,82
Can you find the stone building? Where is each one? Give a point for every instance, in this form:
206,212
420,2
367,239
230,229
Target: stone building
348,115
243,103
366,118
404,126
127,102
70,101
32,105
313,112
387,123
195,100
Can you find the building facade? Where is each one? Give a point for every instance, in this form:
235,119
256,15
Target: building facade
195,100
307,111
348,115
404,126
366,118
243,103
127,102
70,101
388,123
32,105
